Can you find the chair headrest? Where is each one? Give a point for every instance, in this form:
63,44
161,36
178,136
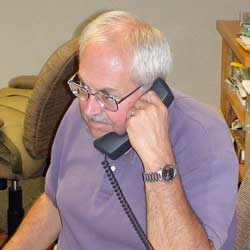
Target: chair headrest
50,99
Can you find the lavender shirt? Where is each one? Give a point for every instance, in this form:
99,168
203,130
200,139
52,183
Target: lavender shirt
91,215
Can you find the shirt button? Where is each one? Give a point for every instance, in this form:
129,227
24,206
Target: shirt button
113,168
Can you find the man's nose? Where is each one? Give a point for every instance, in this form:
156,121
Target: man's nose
92,107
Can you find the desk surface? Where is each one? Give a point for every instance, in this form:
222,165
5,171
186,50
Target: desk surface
229,31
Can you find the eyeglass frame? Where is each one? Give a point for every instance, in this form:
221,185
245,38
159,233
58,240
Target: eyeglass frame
85,88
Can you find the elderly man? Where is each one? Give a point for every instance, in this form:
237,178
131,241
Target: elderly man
193,207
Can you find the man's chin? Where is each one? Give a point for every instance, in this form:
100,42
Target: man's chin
97,132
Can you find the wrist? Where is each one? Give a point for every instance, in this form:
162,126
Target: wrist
157,163
161,156
165,174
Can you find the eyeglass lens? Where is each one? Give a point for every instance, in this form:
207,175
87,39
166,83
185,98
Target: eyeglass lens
106,102
79,91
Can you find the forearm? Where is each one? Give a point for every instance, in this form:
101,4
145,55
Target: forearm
39,228
171,222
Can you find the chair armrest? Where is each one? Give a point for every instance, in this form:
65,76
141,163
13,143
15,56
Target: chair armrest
23,82
1,122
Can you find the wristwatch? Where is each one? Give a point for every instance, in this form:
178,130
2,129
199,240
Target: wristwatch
166,174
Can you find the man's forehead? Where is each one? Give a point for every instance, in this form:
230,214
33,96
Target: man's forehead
103,66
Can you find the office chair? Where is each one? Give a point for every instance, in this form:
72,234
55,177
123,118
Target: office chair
243,215
31,108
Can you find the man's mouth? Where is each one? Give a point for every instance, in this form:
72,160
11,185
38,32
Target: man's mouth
99,119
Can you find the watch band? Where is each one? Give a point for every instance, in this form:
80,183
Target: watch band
167,173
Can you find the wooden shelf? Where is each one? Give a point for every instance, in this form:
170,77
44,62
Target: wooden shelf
230,30
238,108
239,138
231,50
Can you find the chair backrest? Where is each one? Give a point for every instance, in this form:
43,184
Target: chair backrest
50,99
243,215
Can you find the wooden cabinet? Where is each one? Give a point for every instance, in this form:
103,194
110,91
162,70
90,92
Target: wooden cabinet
230,104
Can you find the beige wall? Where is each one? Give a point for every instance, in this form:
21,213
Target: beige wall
30,31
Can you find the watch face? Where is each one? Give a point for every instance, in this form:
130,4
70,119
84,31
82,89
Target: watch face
168,173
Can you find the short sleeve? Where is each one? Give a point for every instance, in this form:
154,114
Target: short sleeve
208,169
51,179
209,174
212,194
52,175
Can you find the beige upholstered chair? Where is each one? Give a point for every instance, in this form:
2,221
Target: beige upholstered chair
30,111
243,215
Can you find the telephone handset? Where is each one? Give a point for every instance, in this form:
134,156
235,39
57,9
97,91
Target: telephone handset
114,145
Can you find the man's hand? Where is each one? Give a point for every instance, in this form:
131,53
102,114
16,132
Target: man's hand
147,128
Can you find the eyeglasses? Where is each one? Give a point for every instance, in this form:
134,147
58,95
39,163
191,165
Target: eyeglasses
106,101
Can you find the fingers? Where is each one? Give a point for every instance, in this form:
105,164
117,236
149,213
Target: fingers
150,102
141,104
151,97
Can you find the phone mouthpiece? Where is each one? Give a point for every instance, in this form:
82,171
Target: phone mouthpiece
112,145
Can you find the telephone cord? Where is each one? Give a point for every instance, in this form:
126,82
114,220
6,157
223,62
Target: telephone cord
125,205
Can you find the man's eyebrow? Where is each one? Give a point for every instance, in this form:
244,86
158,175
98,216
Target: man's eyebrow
109,91
105,90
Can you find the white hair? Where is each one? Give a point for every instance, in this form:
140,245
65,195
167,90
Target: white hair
151,56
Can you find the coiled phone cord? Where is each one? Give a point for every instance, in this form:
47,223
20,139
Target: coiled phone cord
124,203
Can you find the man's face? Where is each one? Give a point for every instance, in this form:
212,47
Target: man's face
106,69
